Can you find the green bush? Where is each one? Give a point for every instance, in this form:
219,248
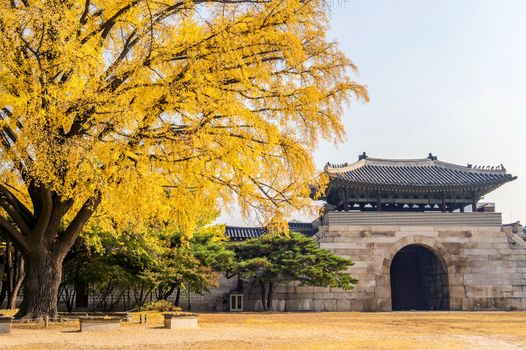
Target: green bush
160,305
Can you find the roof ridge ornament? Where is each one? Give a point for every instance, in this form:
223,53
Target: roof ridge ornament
362,156
432,157
335,166
499,167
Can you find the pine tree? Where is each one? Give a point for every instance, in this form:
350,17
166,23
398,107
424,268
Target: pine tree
271,259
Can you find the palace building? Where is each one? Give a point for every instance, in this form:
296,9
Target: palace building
418,235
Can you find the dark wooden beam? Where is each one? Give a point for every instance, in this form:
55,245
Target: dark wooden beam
345,201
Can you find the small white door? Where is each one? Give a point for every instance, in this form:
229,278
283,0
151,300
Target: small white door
236,302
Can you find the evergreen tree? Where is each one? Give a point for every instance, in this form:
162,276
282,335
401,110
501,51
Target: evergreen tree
272,259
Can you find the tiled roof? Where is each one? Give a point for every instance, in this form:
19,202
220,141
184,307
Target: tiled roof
305,228
237,233
427,173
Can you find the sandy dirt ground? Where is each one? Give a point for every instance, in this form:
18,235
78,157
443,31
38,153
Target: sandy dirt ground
342,330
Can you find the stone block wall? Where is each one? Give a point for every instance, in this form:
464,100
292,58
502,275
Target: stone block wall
485,262
485,268
216,299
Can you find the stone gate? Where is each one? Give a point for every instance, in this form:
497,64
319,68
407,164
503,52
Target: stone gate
473,262
418,236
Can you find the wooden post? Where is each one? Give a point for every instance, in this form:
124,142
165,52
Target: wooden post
378,201
346,201
443,204
46,321
474,204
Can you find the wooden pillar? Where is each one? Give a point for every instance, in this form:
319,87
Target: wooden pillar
474,204
443,204
346,201
462,208
378,201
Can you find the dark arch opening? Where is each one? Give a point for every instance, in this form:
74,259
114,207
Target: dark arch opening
418,280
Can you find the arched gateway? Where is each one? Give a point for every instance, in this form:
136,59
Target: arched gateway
419,280
418,238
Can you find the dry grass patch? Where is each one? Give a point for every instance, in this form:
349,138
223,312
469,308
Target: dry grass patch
346,330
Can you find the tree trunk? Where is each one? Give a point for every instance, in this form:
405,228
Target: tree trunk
263,295
43,277
4,273
3,291
11,304
169,292
177,297
9,270
270,296
44,240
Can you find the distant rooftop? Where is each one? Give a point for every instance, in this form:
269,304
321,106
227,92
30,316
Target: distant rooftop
238,233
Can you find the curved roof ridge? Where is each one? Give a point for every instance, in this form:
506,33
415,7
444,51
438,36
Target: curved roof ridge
243,227
499,169
402,162
345,167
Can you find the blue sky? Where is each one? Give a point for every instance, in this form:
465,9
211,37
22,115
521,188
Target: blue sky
447,77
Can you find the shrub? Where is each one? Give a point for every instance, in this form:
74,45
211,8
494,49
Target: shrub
160,305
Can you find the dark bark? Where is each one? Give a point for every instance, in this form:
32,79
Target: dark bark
43,242
3,280
44,273
18,279
267,295
67,293
9,270
263,295
14,275
164,293
81,295
169,292
3,290
177,297
270,296
142,295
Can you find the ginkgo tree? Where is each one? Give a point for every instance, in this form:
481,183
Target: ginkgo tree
139,110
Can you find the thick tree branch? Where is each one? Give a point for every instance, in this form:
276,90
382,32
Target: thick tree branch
16,210
70,234
43,207
106,27
84,17
59,209
15,235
